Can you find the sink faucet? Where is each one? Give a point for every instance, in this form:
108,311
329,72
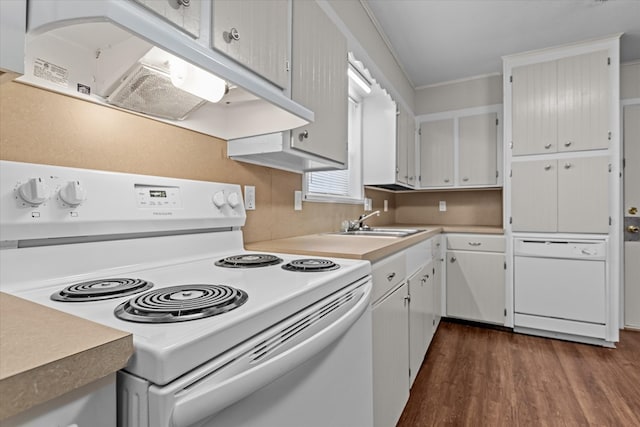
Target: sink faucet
359,223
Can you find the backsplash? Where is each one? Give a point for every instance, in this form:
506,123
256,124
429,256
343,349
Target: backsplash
38,126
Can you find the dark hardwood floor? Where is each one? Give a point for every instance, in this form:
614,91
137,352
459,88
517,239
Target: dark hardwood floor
475,376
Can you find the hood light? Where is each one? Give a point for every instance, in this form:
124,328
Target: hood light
196,81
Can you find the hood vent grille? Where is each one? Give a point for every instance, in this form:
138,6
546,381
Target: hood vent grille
150,91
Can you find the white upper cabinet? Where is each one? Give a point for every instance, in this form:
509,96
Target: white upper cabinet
461,149
182,13
477,159
561,105
319,82
436,153
256,34
406,149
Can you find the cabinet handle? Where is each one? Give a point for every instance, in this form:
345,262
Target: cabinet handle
407,300
567,165
185,3
465,179
568,144
303,135
231,35
547,146
547,167
633,229
453,259
475,243
390,276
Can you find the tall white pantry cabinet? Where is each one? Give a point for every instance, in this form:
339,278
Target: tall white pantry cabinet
562,153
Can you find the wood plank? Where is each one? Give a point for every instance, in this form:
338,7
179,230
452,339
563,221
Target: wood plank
482,376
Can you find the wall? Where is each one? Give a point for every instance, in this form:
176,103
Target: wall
630,80
38,126
475,92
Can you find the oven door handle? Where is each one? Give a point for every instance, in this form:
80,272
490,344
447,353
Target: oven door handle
212,394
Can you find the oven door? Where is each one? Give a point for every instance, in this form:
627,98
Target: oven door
307,351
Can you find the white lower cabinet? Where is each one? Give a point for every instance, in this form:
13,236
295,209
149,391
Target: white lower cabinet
390,357
421,317
476,278
403,326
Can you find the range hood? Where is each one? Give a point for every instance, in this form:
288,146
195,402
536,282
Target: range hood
120,54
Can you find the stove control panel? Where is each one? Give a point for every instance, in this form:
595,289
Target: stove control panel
43,201
153,197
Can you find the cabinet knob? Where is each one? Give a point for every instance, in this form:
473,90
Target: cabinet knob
465,179
446,180
547,167
303,135
567,165
411,178
633,210
568,144
390,276
547,146
474,243
453,259
185,3
633,229
230,35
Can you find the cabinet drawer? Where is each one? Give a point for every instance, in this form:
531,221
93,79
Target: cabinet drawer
476,242
387,273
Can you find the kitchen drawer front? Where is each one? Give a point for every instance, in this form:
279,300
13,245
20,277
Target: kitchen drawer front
476,242
387,273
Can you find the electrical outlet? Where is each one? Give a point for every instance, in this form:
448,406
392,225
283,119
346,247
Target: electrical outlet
386,206
443,206
297,200
367,204
250,197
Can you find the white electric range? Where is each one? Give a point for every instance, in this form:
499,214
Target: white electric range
222,336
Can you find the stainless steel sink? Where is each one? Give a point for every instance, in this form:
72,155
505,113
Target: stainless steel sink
381,232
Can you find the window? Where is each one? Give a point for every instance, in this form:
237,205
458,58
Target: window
342,186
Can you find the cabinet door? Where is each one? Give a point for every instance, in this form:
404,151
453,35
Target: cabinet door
319,82
583,196
254,33
390,358
406,149
475,286
436,153
477,145
583,102
534,196
420,318
534,104
185,15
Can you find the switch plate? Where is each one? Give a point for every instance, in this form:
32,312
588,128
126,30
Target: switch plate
297,200
367,204
250,197
443,206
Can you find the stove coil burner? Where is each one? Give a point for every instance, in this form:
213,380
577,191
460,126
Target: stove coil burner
311,265
181,303
96,290
249,261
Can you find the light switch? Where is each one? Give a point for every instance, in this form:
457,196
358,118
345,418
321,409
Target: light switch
367,204
443,206
250,197
386,206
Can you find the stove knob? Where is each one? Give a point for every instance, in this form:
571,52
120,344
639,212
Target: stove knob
73,193
219,200
34,191
233,199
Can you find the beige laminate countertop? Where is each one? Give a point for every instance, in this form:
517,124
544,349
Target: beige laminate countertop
362,247
45,353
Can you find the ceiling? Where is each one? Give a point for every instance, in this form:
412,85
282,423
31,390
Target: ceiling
438,41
